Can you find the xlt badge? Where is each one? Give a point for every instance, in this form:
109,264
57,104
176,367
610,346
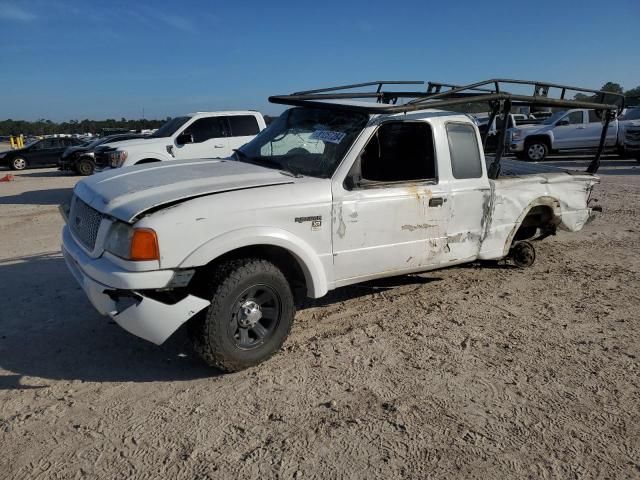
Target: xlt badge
316,221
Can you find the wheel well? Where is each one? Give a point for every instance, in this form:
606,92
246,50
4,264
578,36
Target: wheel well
539,222
280,257
147,160
539,138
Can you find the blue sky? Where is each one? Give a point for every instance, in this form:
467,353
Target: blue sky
66,59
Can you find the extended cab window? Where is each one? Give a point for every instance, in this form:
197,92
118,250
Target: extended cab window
593,118
573,118
204,129
464,151
243,125
398,152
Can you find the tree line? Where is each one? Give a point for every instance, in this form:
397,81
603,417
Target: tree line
48,127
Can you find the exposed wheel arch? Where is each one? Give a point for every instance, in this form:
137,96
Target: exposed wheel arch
538,220
282,258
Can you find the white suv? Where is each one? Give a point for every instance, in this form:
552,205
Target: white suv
197,135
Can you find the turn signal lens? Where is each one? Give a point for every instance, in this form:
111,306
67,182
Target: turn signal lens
144,245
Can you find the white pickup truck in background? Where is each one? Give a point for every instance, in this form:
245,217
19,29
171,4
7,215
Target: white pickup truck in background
335,192
197,135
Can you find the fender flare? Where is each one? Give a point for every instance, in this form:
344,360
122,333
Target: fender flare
312,268
544,201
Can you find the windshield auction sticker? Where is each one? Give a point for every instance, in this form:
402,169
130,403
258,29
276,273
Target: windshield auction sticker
328,136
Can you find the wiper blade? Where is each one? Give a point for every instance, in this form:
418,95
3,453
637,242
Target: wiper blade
265,162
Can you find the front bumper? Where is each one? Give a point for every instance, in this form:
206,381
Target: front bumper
115,292
516,146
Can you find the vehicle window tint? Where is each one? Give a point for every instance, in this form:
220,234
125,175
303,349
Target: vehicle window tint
49,143
207,128
243,125
574,118
464,151
593,118
399,151
631,114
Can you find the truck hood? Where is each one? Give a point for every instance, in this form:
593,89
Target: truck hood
126,193
135,142
532,127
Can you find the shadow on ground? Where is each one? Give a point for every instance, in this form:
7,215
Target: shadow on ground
51,196
49,330
48,174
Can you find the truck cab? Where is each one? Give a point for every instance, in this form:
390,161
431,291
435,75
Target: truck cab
197,135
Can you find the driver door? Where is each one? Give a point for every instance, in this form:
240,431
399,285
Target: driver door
209,139
390,215
46,152
572,134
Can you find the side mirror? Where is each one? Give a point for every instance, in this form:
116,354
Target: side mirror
562,122
184,138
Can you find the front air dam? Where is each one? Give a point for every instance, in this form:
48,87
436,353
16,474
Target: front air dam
156,321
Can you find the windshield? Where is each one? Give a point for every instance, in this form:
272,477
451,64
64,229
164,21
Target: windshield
170,127
631,114
553,118
305,141
96,142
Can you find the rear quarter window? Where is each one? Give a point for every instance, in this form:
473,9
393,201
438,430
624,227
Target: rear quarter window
243,125
464,151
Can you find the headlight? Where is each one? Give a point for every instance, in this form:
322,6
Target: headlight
132,243
118,158
516,134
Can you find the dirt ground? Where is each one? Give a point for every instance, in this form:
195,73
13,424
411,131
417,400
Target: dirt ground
469,372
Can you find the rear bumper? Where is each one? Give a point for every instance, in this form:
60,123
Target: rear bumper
116,293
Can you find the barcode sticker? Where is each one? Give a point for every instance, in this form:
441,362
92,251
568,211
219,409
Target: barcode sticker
328,136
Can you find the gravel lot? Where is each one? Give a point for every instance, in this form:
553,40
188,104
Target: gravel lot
469,372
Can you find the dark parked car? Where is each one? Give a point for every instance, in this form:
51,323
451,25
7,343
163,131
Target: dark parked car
40,153
81,159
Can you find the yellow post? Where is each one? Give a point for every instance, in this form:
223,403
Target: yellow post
21,141
12,142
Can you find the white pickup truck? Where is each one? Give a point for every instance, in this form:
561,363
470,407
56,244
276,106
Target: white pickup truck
331,194
197,135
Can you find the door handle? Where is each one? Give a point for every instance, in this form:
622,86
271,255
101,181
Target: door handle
218,146
436,201
581,128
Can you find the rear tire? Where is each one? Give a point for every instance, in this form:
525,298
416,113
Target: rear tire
250,316
18,163
536,150
85,167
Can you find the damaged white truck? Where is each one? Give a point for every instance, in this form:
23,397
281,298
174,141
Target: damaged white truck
345,186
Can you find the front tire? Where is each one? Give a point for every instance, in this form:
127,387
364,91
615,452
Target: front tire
85,167
18,163
536,151
250,316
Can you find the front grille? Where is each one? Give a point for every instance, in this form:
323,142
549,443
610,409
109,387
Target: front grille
84,222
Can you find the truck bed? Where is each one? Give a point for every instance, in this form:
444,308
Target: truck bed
519,168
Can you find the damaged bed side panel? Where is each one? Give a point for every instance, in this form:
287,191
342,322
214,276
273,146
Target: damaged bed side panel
564,195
